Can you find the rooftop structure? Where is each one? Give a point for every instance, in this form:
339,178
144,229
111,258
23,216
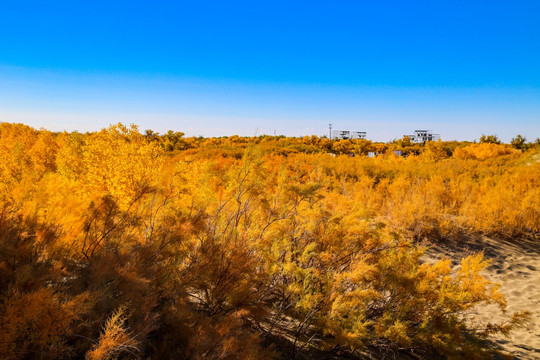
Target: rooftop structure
421,136
346,134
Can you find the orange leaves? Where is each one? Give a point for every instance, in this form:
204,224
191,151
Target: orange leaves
475,286
35,320
70,158
434,151
229,240
38,321
43,153
482,151
120,162
115,339
397,332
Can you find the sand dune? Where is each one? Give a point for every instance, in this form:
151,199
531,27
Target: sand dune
516,266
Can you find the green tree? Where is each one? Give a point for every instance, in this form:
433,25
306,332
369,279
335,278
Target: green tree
173,140
491,139
519,142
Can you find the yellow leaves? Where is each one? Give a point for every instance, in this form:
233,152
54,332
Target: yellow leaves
475,287
342,146
121,163
115,338
517,320
310,251
305,191
472,265
37,320
434,151
295,246
70,156
360,272
397,332
352,303
482,151
225,338
43,153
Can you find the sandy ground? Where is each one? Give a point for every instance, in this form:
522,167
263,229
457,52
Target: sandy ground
516,266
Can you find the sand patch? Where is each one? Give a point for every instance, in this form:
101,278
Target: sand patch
516,266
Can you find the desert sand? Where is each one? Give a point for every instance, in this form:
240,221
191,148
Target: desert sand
516,266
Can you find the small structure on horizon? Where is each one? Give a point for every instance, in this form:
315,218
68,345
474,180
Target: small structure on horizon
345,134
422,136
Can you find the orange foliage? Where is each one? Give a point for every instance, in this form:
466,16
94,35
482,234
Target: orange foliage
118,244
482,151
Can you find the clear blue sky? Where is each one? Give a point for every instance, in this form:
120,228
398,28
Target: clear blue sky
461,68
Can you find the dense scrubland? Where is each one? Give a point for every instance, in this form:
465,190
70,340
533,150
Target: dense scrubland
118,244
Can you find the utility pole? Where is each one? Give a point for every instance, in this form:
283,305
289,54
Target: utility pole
330,131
